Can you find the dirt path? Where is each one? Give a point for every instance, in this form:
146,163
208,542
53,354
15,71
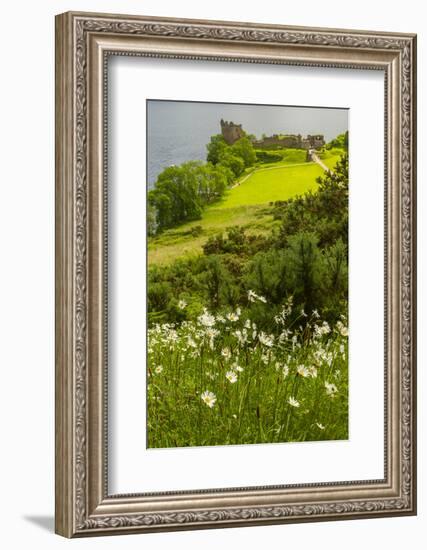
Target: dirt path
320,163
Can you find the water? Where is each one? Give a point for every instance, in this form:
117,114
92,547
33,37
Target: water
178,131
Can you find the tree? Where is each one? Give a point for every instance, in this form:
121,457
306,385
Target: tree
305,263
244,149
214,278
233,162
152,223
216,148
176,196
181,192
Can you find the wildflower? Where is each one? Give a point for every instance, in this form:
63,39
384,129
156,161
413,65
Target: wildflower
326,328
253,297
266,340
320,426
234,415
233,317
285,371
211,332
265,358
191,343
158,369
303,313
235,366
231,376
315,314
342,329
303,371
182,304
312,371
331,389
293,402
208,398
248,323
242,336
206,319
226,353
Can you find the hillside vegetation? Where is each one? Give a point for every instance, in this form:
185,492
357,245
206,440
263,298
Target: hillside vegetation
243,205
247,300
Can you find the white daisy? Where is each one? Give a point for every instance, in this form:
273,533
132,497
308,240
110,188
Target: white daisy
303,371
331,389
226,353
208,398
266,340
293,402
233,317
231,376
206,319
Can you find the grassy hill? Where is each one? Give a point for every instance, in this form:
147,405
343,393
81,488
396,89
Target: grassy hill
273,183
246,205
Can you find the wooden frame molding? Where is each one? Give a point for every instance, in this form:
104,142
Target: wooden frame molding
83,43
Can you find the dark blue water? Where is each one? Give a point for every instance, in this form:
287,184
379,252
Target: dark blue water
178,131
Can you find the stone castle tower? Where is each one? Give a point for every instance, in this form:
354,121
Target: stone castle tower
231,132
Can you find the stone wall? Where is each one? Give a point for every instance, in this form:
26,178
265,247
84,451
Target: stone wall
290,142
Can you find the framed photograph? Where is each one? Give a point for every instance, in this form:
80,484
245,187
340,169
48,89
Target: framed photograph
235,274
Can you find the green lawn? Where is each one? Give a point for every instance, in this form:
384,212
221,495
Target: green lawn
179,241
245,205
273,184
330,157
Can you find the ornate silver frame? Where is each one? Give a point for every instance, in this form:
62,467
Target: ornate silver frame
83,42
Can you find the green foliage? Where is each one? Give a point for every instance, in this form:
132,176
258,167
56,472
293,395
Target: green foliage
250,302
216,148
181,193
152,224
267,156
236,157
325,212
244,149
196,230
340,142
305,262
219,380
232,162
305,257
233,241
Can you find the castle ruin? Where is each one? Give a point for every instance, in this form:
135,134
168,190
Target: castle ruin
231,132
291,141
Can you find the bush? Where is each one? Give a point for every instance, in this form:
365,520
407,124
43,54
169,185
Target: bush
196,231
267,157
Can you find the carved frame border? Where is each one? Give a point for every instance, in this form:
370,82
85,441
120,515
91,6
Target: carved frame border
83,43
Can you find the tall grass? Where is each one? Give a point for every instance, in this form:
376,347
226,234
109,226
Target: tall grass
218,380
